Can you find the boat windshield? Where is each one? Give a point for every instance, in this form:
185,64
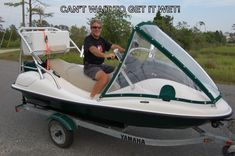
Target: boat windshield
182,56
146,69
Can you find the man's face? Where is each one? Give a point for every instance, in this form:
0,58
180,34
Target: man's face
96,30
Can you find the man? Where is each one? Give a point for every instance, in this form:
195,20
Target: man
94,55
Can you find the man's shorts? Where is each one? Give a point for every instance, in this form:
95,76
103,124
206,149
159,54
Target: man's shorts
91,69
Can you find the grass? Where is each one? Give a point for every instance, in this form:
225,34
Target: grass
220,68
72,57
222,50
218,62
14,56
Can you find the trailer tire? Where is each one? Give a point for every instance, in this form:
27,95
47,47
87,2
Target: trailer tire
59,134
225,151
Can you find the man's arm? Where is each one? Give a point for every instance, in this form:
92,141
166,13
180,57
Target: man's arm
115,46
98,53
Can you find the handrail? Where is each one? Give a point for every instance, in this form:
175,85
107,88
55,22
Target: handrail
81,52
138,48
38,28
57,84
116,52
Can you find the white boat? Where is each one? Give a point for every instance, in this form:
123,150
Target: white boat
156,84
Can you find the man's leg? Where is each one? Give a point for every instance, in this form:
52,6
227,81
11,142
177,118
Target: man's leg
107,68
102,79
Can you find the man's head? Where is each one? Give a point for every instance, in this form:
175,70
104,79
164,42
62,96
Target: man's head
96,27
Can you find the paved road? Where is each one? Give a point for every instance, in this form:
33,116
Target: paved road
25,133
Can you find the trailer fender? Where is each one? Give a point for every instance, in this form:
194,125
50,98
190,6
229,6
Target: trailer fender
65,120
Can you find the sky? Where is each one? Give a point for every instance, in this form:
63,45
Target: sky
216,14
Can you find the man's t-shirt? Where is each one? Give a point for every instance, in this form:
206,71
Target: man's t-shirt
100,44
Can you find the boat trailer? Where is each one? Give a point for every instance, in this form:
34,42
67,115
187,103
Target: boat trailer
62,126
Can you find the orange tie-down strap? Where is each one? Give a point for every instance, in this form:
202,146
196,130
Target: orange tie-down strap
47,50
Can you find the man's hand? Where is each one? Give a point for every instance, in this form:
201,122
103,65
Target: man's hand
110,56
98,53
115,46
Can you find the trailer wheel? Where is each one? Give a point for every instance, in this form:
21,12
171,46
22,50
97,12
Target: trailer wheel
225,151
59,134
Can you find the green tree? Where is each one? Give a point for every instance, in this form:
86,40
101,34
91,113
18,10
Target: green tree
42,15
184,37
78,34
165,23
198,39
116,27
16,4
14,34
201,26
30,3
40,23
215,38
61,27
182,25
189,38
2,32
1,21
181,33
11,38
233,27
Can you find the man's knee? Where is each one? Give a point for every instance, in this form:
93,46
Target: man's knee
102,77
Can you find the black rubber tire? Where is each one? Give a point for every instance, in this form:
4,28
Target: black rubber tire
59,134
225,151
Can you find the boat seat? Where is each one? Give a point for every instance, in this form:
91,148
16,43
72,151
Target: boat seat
74,74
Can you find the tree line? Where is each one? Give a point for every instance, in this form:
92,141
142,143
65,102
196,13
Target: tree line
189,38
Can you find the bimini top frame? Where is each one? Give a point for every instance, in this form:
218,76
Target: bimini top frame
163,42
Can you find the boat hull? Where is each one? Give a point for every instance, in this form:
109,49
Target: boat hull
116,116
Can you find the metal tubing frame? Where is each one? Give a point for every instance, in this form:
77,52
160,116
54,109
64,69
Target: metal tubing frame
36,59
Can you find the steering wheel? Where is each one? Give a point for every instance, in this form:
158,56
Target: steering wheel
117,54
139,48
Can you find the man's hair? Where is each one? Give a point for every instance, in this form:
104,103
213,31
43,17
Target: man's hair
95,20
